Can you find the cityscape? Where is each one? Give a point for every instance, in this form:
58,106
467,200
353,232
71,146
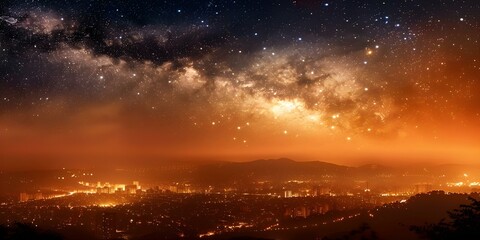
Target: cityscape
189,206
239,119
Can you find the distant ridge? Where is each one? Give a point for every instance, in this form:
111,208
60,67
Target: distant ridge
269,170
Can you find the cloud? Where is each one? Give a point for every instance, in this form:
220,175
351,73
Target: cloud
47,31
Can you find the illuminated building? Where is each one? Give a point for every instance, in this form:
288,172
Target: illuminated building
38,196
107,224
173,188
119,187
319,191
105,190
131,189
423,187
24,197
305,211
137,184
296,212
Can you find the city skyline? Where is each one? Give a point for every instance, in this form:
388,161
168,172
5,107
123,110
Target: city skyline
230,200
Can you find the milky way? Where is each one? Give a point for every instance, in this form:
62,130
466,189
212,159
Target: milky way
107,79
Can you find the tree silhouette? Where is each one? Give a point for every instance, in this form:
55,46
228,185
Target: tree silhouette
463,223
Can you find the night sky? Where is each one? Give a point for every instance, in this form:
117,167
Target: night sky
90,83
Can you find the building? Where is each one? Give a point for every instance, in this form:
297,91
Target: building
24,197
320,190
105,190
38,196
296,212
287,194
131,189
107,224
306,211
423,188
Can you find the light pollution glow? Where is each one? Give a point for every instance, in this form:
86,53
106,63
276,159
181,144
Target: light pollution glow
382,100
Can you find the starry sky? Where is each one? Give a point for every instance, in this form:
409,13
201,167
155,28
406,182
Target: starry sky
99,82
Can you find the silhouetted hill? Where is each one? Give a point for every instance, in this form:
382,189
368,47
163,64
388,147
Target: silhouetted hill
392,221
269,170
285,169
